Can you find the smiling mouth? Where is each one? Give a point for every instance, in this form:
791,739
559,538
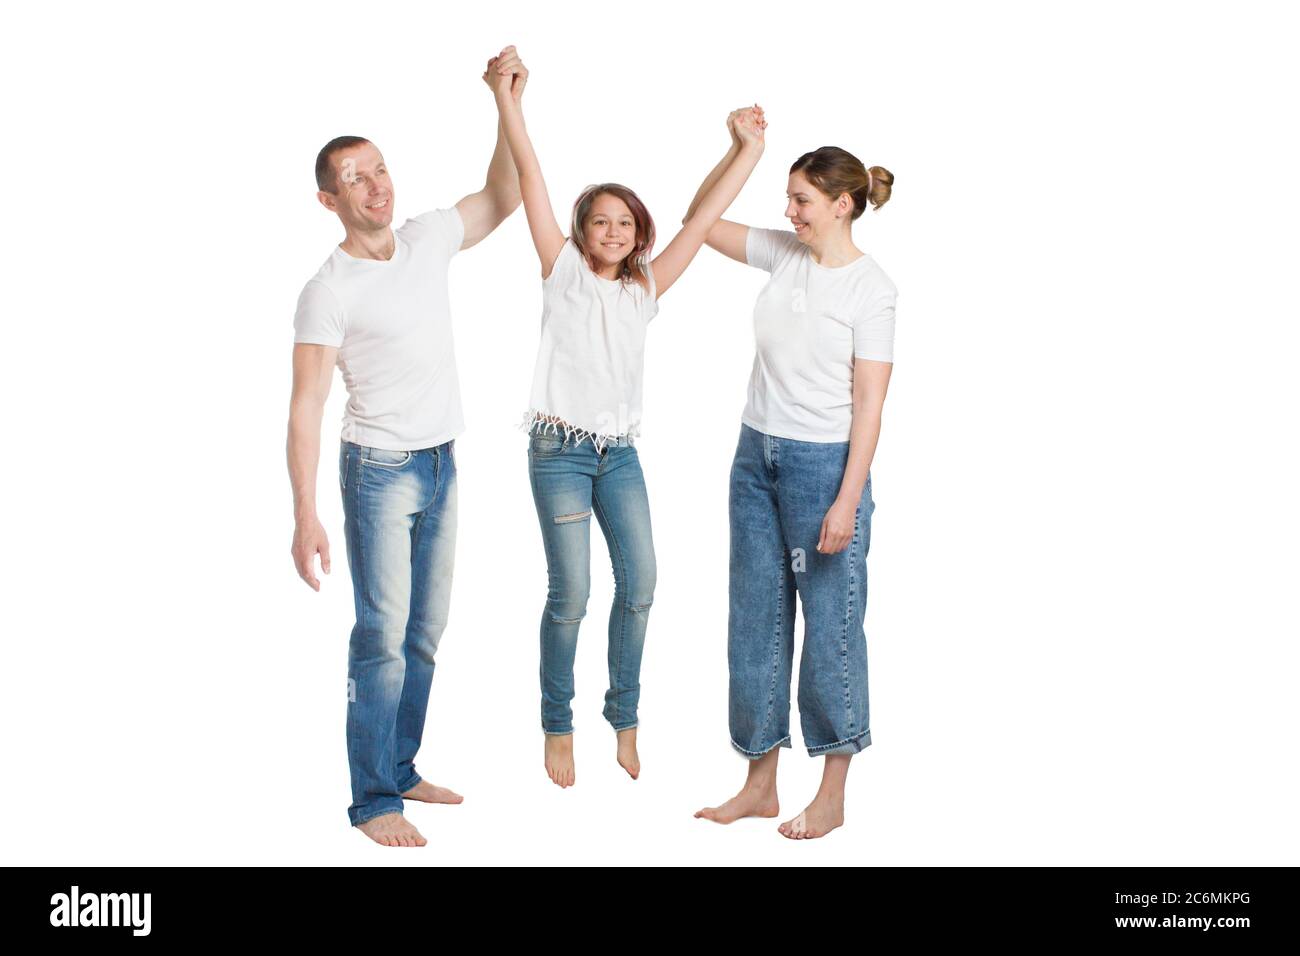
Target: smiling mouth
379,205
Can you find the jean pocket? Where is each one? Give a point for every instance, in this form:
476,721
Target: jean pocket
385,458
544,446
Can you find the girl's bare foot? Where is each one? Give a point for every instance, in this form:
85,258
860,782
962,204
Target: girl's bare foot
392,829
822,816
627,755
426,792
559,759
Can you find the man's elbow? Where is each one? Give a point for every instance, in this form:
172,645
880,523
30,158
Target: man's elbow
305,413
506,198
693,226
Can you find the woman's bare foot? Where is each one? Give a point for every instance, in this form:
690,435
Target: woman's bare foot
826,812
559,759
392,829
757,798
750,802
426,792
822,816
627,755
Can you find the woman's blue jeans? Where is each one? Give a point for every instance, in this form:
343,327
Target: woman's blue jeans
571,480
399,510
781,490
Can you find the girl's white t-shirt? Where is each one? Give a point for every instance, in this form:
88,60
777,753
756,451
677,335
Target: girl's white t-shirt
592,351
810,323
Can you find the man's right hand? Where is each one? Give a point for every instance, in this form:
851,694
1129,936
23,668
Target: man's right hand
309,540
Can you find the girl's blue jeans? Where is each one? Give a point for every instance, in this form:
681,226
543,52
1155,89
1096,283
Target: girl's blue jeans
571,481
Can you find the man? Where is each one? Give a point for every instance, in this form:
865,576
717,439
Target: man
378,308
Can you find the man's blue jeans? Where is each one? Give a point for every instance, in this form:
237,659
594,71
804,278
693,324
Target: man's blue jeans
781,490
571,480
399,512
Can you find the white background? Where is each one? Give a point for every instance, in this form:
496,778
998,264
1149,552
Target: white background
1082,625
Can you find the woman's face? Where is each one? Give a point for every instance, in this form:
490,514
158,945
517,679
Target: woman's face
610,230
810,211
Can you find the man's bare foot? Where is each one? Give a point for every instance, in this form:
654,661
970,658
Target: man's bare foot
559,759
628,758
822,816
750,802
392,829
426,792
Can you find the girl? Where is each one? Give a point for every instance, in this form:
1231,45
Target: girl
801,503
600,289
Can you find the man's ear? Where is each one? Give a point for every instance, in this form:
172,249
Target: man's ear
327,200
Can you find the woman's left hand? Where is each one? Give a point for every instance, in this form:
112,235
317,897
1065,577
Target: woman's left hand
837,527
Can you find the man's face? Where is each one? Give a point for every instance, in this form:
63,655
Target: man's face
364,200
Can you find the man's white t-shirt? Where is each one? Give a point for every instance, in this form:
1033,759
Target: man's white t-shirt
391,322
810,323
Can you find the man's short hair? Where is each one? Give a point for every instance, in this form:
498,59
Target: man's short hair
326,178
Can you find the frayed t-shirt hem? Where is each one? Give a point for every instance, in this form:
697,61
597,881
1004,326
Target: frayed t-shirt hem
540,422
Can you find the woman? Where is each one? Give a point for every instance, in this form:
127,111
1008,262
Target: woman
800,500
600,289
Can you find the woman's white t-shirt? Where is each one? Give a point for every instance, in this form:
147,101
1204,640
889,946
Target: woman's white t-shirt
810,323
592,351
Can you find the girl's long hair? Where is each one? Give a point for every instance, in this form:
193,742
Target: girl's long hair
636,263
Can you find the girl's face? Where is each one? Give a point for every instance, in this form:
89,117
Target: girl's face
811,211
610,230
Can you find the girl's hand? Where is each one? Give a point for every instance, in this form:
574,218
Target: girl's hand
837,528
731,127
747,125
756,110
509,65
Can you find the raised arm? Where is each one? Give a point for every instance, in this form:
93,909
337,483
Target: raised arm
708,208
313,367
547,237
726,236
486,209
